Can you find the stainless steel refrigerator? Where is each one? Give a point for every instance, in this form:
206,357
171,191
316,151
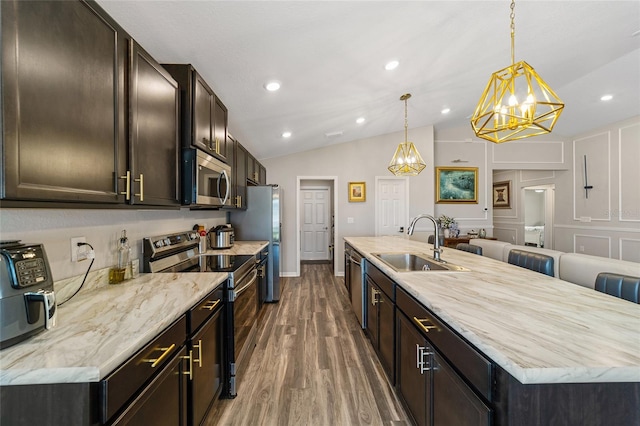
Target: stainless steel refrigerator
262,220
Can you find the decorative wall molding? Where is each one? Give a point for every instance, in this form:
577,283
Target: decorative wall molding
629,212
630,246
512,153
578,176
599,228
552,175
579,241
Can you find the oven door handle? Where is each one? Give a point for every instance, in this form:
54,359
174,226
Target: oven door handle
253,279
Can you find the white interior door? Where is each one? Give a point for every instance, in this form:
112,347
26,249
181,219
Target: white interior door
392,198
315,224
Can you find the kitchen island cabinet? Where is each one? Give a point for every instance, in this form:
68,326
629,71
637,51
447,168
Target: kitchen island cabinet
529,334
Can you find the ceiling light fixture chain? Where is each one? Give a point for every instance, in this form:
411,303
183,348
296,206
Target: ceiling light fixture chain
516,103
407,160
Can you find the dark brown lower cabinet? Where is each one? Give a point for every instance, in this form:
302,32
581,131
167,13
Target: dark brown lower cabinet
206,383
413,379
380,302
433,391
164,400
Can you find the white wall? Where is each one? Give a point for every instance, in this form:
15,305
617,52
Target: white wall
357,161
54,228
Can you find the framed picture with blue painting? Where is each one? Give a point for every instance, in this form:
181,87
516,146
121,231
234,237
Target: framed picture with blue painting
456,185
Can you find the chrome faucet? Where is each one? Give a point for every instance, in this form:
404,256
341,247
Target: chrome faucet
436,239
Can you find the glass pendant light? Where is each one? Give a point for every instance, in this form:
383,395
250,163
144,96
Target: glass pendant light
407,160
517,103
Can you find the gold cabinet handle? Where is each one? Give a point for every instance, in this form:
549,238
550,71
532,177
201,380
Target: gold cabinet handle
238,200
217,146
421,324
199,360
212,305
190,371
141,180
165,353
127,178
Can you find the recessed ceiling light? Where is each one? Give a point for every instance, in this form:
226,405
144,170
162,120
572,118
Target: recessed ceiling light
360,120
391,65
606,98
272,86
286,134
446,111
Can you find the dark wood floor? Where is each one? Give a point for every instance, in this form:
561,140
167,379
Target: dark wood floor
312,364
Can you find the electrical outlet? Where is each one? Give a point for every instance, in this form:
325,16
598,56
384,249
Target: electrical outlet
78,253
581,249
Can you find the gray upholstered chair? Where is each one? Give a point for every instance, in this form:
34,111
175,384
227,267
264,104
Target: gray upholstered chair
623,286
533,261
469,248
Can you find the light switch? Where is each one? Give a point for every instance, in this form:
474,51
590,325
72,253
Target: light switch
350,220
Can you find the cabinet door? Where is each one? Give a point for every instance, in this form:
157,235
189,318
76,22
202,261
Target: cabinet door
63,102
240,170
252,170
154,132
220,129
373,294
386,333
413,377
454,403
163,401
207,367
202,114
262,174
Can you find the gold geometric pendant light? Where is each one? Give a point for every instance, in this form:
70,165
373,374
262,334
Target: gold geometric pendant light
407,160
517,103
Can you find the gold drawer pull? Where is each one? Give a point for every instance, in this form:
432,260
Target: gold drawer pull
161,358
127,178
199,360
426,328
212,306
141,180
190,358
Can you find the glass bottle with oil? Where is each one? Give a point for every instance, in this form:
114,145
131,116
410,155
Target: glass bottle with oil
122,261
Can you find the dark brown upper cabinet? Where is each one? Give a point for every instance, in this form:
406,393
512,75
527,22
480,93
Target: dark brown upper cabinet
240,175
203,116
88,116
64,121
152,175
256,172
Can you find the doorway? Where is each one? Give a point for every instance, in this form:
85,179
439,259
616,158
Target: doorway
538,215
316,209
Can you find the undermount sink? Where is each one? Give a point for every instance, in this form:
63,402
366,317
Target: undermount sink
411,262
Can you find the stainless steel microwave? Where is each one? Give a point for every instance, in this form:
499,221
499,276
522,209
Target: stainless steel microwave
206,181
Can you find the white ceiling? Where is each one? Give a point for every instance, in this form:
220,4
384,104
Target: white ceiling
329,57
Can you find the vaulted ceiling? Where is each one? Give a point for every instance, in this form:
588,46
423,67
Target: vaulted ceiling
330,56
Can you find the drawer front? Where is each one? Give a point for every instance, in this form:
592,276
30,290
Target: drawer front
121,385
204,309
465,359
381,280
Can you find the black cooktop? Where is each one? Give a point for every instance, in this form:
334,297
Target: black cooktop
225,262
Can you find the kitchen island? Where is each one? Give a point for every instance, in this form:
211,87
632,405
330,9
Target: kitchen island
550,342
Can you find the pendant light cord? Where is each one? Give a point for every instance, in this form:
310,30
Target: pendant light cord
513,31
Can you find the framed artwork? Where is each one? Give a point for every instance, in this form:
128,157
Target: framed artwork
456,185
502,195
357,192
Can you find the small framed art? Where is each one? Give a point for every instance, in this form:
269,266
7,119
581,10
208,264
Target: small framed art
502,195
357,192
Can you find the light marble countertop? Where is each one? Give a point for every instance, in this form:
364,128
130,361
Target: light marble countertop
538,328
104,325
241,247
101,328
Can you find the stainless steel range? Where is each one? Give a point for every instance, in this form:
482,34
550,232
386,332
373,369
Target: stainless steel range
179,252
